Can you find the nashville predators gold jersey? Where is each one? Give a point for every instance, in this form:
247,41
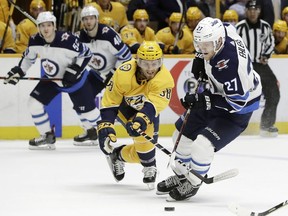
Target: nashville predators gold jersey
4,10
124,86
24,30
8,43
282,47
185,41
130,35
117,12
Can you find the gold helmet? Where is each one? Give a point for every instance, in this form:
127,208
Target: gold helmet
140,14
284,11
176,17
193,13
280,25
107,21
149,50
37,4
230,15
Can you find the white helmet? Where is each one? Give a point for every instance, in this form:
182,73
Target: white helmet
210,29
89,11
46,16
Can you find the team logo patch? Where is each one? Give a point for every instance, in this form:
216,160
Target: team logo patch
137,101
222,64
105,30
50,67
64,36
125,67
98,61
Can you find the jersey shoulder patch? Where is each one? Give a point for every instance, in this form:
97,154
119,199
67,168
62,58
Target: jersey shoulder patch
125,67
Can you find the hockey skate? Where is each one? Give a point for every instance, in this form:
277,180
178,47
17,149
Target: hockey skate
165,186
44,142
89,138
116,166
150,174
269,132
184,191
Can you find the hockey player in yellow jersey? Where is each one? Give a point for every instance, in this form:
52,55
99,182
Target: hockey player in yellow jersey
280,35
26,27
134,35
138,91
168,35
107,21
115,10
8,44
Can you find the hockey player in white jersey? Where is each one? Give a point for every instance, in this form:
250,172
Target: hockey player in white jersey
108,53
62,56
218,115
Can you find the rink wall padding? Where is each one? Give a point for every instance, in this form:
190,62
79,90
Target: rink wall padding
16,122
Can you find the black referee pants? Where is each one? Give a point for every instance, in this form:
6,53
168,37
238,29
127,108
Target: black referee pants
271,94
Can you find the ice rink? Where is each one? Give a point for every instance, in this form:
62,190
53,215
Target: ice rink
74,181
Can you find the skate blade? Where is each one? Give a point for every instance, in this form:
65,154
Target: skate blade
161,193
47,147
151,186
86,143
170,199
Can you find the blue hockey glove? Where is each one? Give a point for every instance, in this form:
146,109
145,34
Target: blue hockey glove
106,134
71,75
141,121
197,101
13,75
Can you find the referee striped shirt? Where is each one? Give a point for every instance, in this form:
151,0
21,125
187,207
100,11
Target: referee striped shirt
258,38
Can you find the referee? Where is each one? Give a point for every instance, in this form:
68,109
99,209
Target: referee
258,37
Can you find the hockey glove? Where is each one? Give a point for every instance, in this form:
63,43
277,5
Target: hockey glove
71,76
106,134
141,121
197,101
13,75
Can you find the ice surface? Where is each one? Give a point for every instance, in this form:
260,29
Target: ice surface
76,181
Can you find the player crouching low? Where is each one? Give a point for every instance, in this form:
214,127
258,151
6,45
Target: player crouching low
137,92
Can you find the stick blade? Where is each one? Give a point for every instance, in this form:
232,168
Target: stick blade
226,175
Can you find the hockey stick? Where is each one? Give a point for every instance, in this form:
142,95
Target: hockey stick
36,78
182,7
222,176
6,27
238,210
23,12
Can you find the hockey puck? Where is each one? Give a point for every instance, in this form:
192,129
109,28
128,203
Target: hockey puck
169,208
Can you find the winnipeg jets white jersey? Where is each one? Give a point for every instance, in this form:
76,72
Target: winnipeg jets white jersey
65,50
236,87
108,50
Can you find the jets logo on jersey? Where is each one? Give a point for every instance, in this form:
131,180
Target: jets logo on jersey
97,62
65,36
125,67
137,102
222,64
105,30
50,67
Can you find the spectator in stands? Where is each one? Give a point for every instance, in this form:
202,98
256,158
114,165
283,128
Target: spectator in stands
115,10
258,37
134,35
193,16
26,27
285,14
240,8
176,39
162,9
137,4
280,35
107,21
7,44
4,14
231,16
